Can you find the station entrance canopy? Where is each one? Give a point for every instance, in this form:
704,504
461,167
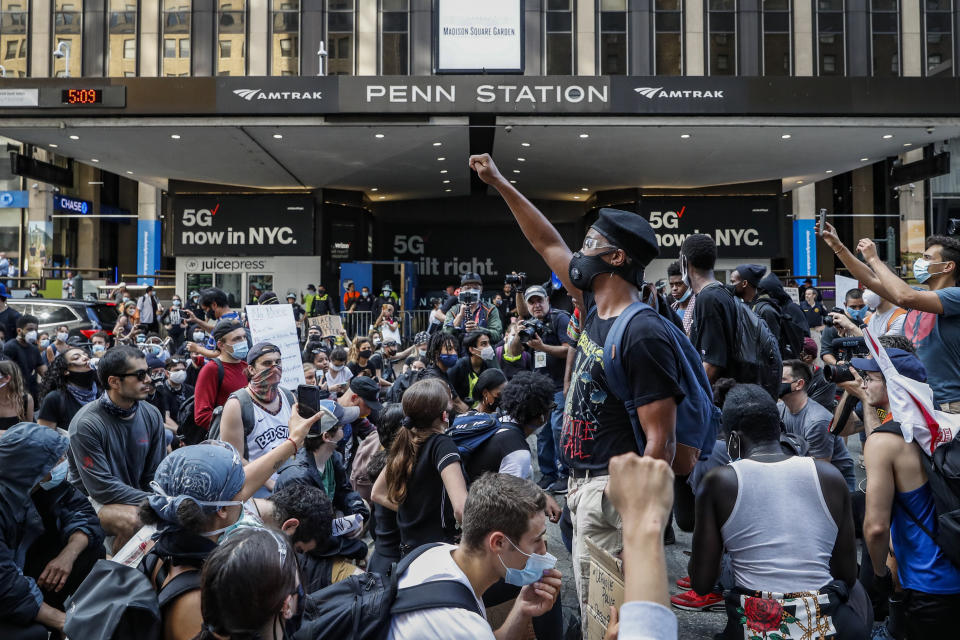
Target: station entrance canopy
399,138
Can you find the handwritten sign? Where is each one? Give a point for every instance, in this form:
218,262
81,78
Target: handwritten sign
274,323
794,293
605,590
329,325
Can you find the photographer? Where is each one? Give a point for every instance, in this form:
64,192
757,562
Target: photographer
851,314
545,334
472,314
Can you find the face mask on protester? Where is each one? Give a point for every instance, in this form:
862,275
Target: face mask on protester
366,353
921,269
31,337
141,338
240,350
857,314
198,336
532,571
487,353
177,303
786,388
45,343
871,299
98,348
62,336
57,476
448,359
686,295
178,377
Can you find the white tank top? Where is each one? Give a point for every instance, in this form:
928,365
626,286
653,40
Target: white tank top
780,534
269,430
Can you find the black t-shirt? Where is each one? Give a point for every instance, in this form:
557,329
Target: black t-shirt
556,334
369,370
58,407
381,363
364,303
492,452
714,324
511,368
8,320
28,358
596,426
427,515
172,399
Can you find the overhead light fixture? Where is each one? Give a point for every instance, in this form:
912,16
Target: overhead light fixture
684,135
52,146
799,181
74,137
516,170
576,197
129,173
864,159
375,189
524,144
446,182
584,189
94,160
95,182
786,136
513,182
378,135
175,136
437,144
278,136
382,197
521,159
829,171
442,171
440,159
887,136
584,135
908,144
448,190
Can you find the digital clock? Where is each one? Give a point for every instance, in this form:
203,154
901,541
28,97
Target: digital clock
81,96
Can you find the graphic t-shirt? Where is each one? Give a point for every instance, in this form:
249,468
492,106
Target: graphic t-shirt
596,426
937,340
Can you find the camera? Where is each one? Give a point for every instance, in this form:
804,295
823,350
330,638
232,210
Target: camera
837,373
530,329
845,349
828,320
516,279
469,297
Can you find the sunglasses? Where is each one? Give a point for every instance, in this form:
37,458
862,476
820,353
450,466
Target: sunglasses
141,374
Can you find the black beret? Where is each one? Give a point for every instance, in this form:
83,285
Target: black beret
630,232
752,273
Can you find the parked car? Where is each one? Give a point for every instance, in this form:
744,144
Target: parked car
83,317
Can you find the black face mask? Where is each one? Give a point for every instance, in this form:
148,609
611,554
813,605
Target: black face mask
366,353
732,288
785,389
583,269
84,379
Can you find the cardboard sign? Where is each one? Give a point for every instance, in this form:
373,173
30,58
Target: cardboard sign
274,323
794,293
604,590
330,326
844,284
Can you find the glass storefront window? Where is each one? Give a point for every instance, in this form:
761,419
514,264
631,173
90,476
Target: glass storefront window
68,28
232,37
777,43
394,37
232,285
285,38
722,37
885,37
612,53
938,37
558,17
13,36
121,39
263,282
830,38
175,24
668,45
198,282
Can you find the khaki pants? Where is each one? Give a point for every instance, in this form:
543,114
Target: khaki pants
592,515
950,407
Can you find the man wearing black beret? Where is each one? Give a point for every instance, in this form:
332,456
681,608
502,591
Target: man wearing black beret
605,276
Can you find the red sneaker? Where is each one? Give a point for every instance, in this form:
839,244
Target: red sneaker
684,582
691,601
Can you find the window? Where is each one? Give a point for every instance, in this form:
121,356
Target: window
340,23
232,36
668,45
830,38
67,27
777,43
938,37
176,26
394,37
558,41
722,37
13,36
121,50
885,37
612,54
129,48
285,37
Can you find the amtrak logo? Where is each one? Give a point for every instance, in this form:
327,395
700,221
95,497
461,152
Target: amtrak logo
256,94
660,93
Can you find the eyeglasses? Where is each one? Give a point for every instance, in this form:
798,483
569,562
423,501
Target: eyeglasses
141,374
590,244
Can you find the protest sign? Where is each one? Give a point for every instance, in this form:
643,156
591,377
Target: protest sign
274,323
330,326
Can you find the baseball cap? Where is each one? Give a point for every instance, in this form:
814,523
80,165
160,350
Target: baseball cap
752,273
260,349
904,362
268,297
535,290
153,362
3,291
225,326
471,278
368,390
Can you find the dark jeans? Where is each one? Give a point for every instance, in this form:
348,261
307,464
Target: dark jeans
546,627
548,442
931,615
33,631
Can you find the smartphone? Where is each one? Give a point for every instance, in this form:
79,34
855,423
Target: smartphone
823,219
308,399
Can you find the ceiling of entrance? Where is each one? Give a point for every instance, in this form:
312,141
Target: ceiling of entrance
555,157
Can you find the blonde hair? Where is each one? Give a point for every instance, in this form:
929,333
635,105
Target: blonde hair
12,392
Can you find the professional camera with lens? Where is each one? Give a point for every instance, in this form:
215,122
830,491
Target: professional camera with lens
828,320
516,279
837,373
845,349
530,329
469,296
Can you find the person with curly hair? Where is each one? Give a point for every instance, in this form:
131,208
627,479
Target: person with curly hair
16,405
68,385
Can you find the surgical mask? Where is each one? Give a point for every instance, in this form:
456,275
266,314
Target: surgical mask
62,337
336,367
153,349
31,337
686,295
921,268
684,271
786,388
240,350
99,348
857,314
448,359
532,571
33,289
422,352
126,298
872,299
177,303
45,343
487,353
57,475
178,377
225,531
141,339
198,336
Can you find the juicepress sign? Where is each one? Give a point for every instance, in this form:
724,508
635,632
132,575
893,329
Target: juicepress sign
243,226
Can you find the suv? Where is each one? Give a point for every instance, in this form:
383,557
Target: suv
83,317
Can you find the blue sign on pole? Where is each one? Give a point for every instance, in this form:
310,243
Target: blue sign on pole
73,205
148,249
804,249
14,199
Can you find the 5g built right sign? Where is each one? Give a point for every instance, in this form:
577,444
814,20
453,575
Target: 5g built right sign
742,227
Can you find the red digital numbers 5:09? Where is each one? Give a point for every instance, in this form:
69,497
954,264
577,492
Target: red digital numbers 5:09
81,96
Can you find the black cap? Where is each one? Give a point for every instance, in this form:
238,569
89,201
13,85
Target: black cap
260,349
471,278
630,232
225,326
268,297
369,390
752,273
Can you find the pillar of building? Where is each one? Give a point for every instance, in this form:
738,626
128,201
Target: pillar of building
911,46
586,37
693,37
258,52
804,200
803,49
149,236
149,38
41,41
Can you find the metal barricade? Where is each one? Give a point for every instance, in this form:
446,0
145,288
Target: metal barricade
413,322
356,323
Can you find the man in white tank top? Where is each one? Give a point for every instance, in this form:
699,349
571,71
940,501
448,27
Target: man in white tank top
785,522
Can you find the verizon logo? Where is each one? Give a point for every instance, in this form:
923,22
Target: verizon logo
257,94
659,92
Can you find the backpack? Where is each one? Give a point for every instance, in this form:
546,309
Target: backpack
403,382
472,429
188,431
361,607
246,415
755,356
117,602
698,419
790,340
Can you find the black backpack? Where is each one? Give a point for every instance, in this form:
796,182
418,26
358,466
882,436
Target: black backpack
117,602
188,431
755,357
790,339
403,382
361,607
246,415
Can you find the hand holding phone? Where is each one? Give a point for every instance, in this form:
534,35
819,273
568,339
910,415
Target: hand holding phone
308,400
